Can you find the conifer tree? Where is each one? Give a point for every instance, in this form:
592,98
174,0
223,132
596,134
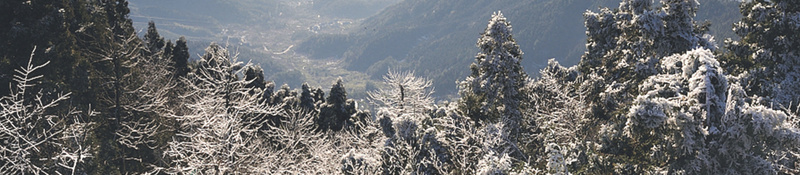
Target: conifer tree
768,51
333,113
255,76
153,42
131,93
491,93
678,112
625,45
53,26
338,112
180,57
307,100
168,48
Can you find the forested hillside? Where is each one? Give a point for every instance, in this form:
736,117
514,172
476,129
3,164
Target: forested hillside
653,93
434,37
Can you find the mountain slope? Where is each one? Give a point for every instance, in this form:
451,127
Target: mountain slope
437,38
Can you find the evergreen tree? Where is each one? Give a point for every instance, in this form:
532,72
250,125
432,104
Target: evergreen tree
689,120
54,26
129,91
768,51
307,100
113,50
283,95
255,76
625,45
491,93
168,48
153,42
656,65
678,111
180,57
338,112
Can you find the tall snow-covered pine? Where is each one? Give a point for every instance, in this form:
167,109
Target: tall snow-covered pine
492,91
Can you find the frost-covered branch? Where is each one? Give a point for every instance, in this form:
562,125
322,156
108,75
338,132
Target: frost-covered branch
220,134
28,127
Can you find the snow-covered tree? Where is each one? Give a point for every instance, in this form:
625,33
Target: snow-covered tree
754,139
134,92
624,46
404,94
473,149
768,50
461,137
307,98
559,109
149,98
411,143
220,134
491,93
678,110
688,119
35,140
297,148
338,112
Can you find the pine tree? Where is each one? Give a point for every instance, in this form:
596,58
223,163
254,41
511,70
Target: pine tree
336,113
678,111
753,139
131,92
255,76
180,57
768,51
625,45
168,47
307,100
53,26
114,49
153,42
491,93
653,80
689,119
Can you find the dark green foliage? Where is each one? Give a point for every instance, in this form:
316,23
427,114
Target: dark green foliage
53,27
154,42
168,47
255,77
180,57
307,97
335,114
93,45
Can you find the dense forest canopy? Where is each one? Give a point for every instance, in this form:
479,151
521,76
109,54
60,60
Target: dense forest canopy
654,92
